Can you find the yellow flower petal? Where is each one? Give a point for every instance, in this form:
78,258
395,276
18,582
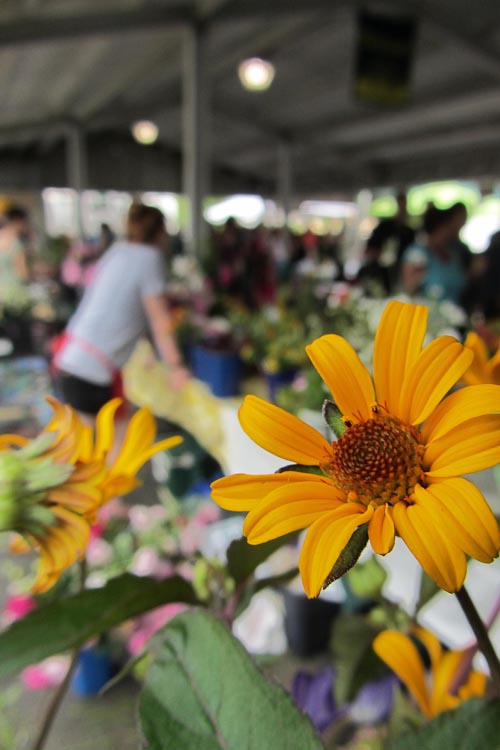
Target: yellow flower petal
105,427
398,343
466,523
442,678
381,530
324,542
436,370
162,445
7,441
472,446
431,643
283,434
345,375
242,492
289,508
401,655
478,370
441,560
138,438
466,403
494,369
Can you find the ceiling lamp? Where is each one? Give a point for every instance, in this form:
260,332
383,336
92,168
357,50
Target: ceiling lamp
145,132
256,74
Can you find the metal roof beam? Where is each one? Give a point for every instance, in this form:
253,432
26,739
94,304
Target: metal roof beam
45,29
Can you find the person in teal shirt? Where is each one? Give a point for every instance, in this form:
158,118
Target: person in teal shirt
434,266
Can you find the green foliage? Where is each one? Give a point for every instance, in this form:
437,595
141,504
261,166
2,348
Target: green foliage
243,558
474,725
70,622
354,658
349,555
204,692
367,579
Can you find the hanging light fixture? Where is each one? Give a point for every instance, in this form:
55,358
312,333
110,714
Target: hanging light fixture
256,74
145,132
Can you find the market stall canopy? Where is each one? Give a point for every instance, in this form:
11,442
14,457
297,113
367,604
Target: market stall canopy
360,97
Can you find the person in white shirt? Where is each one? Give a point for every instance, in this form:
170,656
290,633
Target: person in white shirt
126,298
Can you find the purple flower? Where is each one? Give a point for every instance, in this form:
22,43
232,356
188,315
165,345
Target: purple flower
313,694
373,701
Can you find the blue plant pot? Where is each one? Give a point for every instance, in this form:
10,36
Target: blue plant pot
220,370
276,380
94,669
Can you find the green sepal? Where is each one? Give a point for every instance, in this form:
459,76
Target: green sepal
333,417
45,473
349,555
37,446
303,469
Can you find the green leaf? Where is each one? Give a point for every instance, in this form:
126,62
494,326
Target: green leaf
349,555
259,584
244,558
474,725
354,658
303,469
428,589
333,417
367,579
70,622
204,692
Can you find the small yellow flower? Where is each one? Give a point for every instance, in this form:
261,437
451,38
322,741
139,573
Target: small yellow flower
483,368
51,487
438,694
395,470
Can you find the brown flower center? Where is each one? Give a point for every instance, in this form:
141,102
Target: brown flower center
379,461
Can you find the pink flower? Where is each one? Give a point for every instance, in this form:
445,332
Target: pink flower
190,538
49,673
145,562
97,530
16,607
207,513
115,508
150,623
98,552
144,517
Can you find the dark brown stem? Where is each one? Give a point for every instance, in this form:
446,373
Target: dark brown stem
55,704
58,696
482,637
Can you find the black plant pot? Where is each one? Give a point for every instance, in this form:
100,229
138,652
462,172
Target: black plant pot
308,623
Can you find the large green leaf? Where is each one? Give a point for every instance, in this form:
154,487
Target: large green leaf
204,692
474,725
244,558
355,660
70,622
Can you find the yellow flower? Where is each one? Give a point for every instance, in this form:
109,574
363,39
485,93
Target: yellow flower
396,468
439,693
52,486
483,368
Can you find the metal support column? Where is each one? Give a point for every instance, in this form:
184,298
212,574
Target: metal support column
196,126
76,168
285,177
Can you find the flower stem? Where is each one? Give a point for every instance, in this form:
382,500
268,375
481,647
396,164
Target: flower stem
482,637
58,696
54,704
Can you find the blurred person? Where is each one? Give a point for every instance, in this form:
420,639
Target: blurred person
458,219
230,251
374,277
126,298
434,266
13,236
483,291
389,240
